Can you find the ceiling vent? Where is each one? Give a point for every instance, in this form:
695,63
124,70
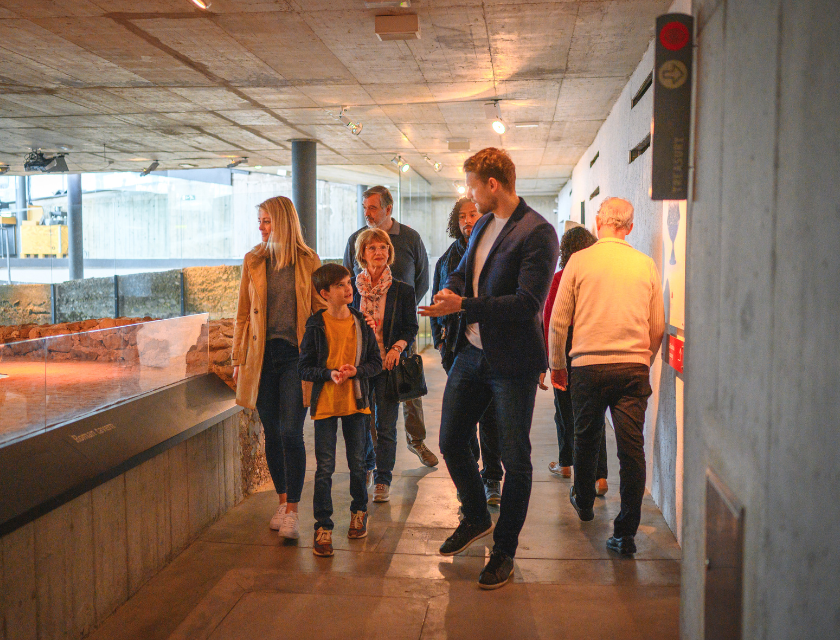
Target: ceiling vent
459,145
401,27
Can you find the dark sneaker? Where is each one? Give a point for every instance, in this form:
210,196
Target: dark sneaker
464,536
493,492
420,450
626,545
323,543
584,514
498,571
358,524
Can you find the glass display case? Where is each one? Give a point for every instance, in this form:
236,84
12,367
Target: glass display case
50,381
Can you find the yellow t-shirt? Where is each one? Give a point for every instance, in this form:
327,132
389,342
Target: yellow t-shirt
338,399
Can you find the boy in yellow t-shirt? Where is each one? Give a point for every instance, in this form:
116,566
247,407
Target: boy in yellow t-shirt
338,355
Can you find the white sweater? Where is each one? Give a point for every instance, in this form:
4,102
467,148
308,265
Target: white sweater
611,294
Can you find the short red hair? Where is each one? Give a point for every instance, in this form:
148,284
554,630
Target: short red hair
492,163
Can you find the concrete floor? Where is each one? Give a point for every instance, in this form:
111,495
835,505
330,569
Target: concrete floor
239,581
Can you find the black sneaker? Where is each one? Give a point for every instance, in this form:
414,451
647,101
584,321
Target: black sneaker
625,545
493,492
584,514
463,537
498,571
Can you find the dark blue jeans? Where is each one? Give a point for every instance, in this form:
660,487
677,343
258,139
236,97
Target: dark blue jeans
472,384
625,389
487,444
385,413
564,420
354,428
280,405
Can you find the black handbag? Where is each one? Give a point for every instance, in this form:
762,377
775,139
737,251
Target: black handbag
406,380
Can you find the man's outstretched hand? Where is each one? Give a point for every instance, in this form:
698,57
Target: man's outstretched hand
559,379
445,303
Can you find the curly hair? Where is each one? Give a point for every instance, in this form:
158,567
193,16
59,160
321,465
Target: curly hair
453,228
573,241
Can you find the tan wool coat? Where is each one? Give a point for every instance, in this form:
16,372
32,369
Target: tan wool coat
250,328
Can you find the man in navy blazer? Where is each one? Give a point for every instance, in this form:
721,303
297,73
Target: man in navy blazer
501,285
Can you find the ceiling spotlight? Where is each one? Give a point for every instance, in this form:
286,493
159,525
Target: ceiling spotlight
201,4
437,166
4,168
355,127
461,189
492,112
402,165
36,161
237,162
155,164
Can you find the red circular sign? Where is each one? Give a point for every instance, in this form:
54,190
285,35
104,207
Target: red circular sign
674,36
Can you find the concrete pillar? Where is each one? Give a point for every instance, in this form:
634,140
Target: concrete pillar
304,188
21,201
360,217
75,241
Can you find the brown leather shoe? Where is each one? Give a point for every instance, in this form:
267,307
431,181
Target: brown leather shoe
422,451
557,470
601,487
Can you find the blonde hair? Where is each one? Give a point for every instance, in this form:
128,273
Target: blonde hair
286,240
365,238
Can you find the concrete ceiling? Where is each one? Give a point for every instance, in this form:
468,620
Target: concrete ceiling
117,83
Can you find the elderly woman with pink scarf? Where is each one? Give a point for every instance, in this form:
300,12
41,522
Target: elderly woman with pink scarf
390,309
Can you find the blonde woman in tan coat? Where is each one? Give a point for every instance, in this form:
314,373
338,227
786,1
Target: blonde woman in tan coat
276,297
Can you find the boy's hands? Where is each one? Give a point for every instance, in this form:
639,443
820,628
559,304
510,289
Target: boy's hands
343,373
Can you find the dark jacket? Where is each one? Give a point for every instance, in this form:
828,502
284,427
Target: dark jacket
411,262
314,349
405,319
511,292
445,328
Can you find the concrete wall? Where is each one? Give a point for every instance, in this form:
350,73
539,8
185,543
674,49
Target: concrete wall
762,397
612,174
64,573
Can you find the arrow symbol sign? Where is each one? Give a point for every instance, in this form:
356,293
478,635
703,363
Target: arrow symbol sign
672,74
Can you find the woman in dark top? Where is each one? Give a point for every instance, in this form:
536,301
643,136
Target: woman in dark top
389,307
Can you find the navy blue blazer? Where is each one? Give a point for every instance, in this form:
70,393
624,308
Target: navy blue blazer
512,289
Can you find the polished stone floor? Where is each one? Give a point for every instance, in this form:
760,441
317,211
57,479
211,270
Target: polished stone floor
239,581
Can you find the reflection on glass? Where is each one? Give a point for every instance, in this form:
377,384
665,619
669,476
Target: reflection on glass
22,375
89,371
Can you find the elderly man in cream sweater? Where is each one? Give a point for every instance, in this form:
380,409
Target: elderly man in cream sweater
612,295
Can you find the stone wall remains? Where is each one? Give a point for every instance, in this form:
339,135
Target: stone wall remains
213,290
25,303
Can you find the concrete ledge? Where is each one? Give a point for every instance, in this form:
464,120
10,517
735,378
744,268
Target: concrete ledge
65,572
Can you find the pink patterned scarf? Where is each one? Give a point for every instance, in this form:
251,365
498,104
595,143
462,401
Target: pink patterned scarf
371,295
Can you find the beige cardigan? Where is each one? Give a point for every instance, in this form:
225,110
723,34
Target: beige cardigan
250,330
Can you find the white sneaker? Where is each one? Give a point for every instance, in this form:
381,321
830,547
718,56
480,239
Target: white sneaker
277,518
290,528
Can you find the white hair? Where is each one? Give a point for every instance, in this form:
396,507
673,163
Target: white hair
616,213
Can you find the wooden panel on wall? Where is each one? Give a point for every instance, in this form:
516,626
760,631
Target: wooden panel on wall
19,591
110,544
